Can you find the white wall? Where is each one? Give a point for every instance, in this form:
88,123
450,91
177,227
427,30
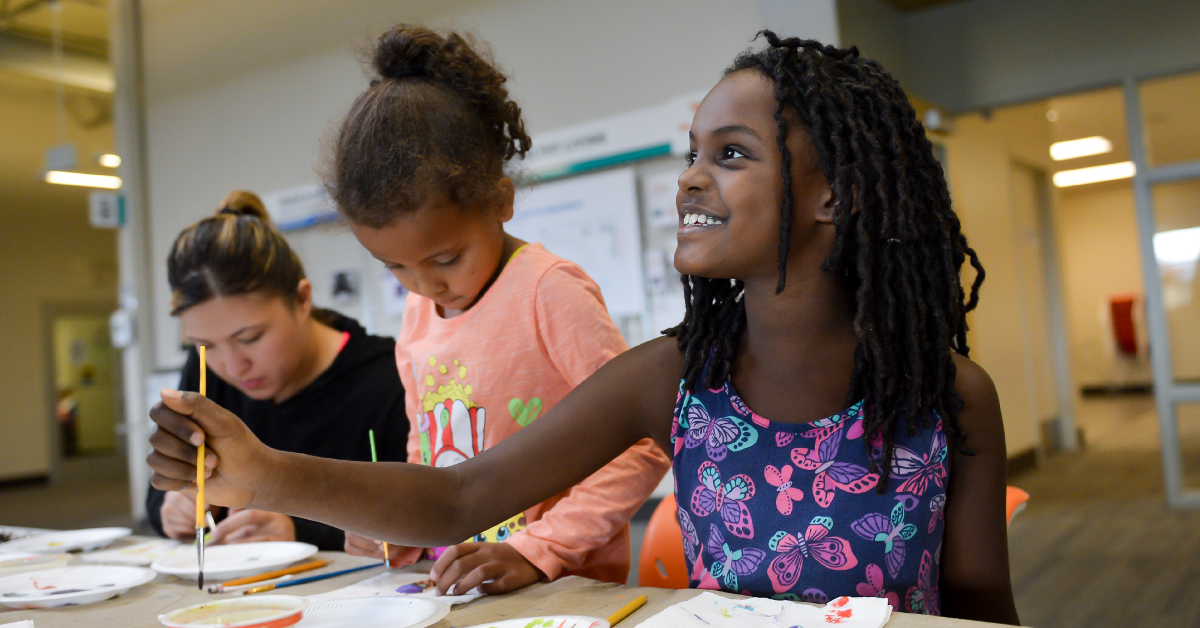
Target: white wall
239,107
983,53
1100,256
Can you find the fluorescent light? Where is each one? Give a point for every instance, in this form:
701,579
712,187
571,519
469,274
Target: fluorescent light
1095,174
110,160
62,177
1082,147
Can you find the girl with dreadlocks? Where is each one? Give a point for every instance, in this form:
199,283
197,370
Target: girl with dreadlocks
820,259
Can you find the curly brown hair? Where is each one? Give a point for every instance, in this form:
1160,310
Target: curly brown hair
436,122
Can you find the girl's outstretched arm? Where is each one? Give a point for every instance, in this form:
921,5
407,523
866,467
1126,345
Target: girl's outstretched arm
975,582
630,398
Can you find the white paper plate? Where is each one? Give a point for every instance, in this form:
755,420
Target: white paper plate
375,612
239,612
70,585
66,541
554,621
140,554
20,563
226,562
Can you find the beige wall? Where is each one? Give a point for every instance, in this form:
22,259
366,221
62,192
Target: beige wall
44,260
987,157
1098,235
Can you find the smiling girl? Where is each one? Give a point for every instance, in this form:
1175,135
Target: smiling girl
829,435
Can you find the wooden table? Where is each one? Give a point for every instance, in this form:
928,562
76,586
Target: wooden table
140,607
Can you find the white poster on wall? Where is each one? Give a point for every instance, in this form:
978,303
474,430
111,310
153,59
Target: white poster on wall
591,220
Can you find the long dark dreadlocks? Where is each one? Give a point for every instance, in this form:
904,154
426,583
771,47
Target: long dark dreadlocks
899,244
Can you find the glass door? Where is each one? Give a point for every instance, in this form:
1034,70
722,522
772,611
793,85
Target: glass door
1164,135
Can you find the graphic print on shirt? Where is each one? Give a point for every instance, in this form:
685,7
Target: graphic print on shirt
451,426
818,527
452,431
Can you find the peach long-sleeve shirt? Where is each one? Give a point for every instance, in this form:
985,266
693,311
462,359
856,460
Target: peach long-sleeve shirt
473,380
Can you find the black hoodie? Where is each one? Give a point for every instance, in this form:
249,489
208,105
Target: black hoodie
329,418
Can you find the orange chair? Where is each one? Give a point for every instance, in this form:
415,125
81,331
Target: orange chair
1015,499
662,563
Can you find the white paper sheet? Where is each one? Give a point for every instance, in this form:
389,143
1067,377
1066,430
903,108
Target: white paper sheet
395,583
709,610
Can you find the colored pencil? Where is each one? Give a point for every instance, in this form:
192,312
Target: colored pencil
292,583
200,509
371,436
270,575
627,610
216,588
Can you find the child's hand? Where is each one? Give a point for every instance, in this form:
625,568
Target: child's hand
468,565
254,526
187,419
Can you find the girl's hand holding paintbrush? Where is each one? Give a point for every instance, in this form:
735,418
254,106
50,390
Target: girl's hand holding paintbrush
178,436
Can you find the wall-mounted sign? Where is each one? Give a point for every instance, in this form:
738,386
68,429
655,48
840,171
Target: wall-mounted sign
301,206
106,210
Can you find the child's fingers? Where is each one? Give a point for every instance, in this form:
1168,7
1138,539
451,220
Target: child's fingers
176,424
448,557
460,565
173,475
489,570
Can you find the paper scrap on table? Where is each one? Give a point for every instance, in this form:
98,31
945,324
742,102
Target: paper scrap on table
141,554
28,623
710,610
396,583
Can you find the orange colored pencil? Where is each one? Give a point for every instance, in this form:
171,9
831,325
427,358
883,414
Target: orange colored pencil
271,575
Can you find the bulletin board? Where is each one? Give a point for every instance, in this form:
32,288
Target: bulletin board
618,224
592,220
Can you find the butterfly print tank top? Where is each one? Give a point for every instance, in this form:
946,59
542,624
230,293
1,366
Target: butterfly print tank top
792,511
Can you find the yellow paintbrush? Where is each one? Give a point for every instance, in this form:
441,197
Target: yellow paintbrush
200,510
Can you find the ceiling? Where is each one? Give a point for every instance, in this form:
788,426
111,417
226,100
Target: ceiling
29,113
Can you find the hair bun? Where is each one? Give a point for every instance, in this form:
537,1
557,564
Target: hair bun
407,50
243,203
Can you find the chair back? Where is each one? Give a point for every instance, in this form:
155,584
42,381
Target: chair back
662,563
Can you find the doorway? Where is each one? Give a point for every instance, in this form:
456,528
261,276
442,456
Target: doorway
84,385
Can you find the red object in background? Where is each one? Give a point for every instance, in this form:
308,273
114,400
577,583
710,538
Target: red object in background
1122,319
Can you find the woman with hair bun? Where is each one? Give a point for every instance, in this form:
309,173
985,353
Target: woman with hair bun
304,379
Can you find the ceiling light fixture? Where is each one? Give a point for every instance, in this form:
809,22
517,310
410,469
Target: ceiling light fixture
1082,147
109,160
62,177
1095,174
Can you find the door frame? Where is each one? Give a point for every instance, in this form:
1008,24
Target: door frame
50,311
1167,392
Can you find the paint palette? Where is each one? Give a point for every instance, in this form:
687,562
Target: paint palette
66,541
70,585
548,621
226,562
375,612
262,611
